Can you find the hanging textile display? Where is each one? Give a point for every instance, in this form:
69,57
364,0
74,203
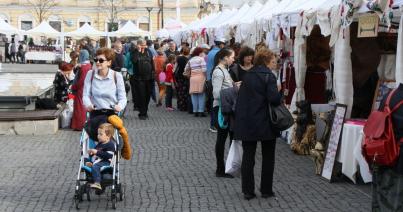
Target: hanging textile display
300,66
399,54
343,73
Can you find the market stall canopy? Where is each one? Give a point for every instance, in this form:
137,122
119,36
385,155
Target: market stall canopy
43,29
129,29
248,18
6,28
267,10
173,24
85,31
223,16
162,33
236,17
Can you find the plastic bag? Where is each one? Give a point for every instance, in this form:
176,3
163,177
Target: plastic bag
234,159
67,114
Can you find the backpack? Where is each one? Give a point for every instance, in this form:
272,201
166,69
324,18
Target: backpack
379,144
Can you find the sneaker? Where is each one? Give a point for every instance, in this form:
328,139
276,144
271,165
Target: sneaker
213,130
170,109
96,186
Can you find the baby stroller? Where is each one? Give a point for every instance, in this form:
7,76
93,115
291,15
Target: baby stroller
109,174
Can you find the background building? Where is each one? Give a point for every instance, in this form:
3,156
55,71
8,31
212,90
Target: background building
68,15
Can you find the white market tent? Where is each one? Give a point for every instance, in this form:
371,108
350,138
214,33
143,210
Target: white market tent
43,29
85,31
236,17
162,33
129,29
6,28
173,24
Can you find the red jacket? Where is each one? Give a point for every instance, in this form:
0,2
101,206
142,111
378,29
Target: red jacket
169,73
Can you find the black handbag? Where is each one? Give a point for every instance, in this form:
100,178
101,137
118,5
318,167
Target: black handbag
280,117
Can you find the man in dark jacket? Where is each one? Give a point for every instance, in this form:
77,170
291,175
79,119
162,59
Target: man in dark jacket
143,77
119,61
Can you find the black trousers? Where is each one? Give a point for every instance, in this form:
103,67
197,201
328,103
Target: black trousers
248,164
168,97
143,94
133,90
222,135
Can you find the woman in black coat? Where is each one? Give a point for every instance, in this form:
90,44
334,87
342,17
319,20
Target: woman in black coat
258,90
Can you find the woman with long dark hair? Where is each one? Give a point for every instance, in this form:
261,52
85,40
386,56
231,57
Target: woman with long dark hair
182,83
221,79
244,64
252,123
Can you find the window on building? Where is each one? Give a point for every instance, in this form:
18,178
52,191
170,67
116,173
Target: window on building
26,25
82,23
144,26
57,25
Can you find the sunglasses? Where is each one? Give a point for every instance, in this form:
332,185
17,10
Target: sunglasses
101,60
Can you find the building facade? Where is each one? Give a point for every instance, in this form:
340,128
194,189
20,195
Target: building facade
69,15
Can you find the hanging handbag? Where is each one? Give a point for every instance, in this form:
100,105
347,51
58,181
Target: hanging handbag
280,117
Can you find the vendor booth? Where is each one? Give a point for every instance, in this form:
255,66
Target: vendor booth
342,54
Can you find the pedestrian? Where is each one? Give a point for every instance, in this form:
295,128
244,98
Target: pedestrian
62,82
151,48
182,83
171,49
387,183
196,69
82,69
159,63
119,61
169,81
252,123
221,79
7,52
74,61
219,44
13,51
244,64
143,76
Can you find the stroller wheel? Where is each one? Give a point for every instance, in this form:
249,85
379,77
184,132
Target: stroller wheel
113,198
121,192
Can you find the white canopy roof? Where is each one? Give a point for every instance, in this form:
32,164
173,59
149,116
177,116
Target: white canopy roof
173,24
129,29
85,31
203,21
6,28
220,18
249,17
267,10
43,29
162,33
235,17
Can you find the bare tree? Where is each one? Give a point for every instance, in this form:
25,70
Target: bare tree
42,8
112,8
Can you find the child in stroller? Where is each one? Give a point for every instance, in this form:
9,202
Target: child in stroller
102,154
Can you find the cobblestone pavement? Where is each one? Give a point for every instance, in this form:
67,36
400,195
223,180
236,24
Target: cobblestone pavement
172,170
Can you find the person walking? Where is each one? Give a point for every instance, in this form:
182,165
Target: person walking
245,64
13,51
159,63
169,82
219,44
143,77
182,83
252,123
79,112
221,79
196,67
119,61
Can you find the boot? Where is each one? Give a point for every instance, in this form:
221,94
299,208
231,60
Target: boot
118,124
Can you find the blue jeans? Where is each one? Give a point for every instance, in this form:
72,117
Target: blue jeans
198,102
96,170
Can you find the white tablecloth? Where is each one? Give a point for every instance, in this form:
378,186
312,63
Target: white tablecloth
47,56
350,153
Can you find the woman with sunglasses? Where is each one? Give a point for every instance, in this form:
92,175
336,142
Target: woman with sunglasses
104,90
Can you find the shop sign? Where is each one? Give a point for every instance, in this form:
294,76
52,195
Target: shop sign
368,26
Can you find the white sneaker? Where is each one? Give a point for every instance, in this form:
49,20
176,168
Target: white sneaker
213,129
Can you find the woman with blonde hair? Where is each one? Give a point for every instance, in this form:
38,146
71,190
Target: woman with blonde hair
252,123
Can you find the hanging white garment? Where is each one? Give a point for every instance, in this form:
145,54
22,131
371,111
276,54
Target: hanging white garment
387,67
343,71
399,54
324,22
300,67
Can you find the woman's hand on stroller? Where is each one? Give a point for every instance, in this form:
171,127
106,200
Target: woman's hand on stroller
117,108
90,108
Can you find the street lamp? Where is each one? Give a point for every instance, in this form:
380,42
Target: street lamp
162,13
149,9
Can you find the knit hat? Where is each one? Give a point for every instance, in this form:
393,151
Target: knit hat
84,55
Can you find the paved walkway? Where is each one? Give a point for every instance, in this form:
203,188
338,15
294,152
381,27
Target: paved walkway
172,170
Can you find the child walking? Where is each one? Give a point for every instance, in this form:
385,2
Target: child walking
102,154
169,81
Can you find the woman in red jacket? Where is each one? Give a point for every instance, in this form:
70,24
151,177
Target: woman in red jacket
79,112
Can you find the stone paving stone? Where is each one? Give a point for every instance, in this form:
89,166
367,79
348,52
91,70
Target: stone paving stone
172,170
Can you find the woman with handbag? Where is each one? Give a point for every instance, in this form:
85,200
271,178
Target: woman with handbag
252,122
195,70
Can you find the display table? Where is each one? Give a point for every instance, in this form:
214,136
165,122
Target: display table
44,55
350,152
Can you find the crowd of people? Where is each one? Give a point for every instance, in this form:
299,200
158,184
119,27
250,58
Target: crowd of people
206,80
15,52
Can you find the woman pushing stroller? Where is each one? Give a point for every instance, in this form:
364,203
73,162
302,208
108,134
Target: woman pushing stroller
104,96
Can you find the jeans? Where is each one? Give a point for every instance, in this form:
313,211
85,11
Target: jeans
248,164
96,170
198,102
222,135
168,97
